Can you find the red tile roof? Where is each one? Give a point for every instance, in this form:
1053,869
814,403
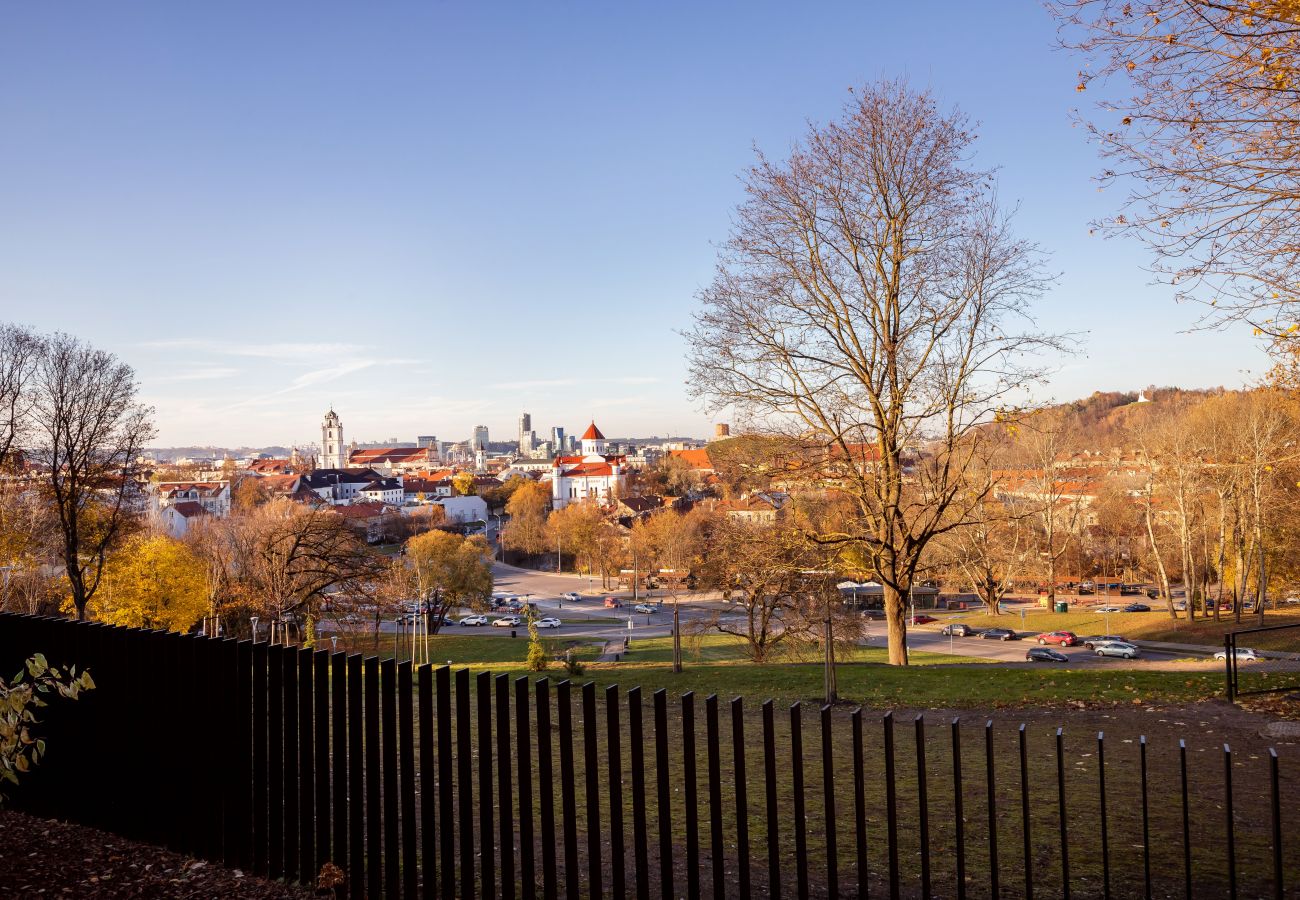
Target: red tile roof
592,433
189,509
361,510
588,469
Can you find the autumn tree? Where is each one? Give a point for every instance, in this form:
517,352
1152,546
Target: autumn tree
583,531
153,581
458,568
463,484
527,508
1200,124
248,493
28,543
20,351
287,558
88,430
872,298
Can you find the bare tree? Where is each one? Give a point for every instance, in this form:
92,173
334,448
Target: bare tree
870,300
19,352
1204,132
88,430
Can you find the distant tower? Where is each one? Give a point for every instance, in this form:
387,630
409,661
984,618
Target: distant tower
557,439
480,439
721,430
593,442
333,455
525,434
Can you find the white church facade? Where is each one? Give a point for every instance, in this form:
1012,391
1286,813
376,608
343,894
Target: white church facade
592,476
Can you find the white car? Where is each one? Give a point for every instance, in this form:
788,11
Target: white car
1245,653
507,622
571,596
548,622
1117,648
644,608
477,619
1109,609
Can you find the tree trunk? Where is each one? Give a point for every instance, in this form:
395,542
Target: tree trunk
895,626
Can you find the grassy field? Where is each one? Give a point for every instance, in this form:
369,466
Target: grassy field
716,666
1151,626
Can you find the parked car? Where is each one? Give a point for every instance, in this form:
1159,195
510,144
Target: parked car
1180,605
1000,634
645,608
548,622
1086,591
1045,654
1093,640
1108,609
613,603
571,596
477,619
874,614
1130,590
1242,653
957,629
921,620
1064,638
1137,607
1117,648
508,622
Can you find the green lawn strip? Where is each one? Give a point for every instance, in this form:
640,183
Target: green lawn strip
725,648
1150,626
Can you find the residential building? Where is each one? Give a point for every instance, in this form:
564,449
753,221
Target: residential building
212,496
178,518
383,490
341,486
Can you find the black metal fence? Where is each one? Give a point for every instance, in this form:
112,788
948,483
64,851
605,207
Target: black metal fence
433,782
1262,660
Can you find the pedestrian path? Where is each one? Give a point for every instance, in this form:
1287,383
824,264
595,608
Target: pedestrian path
613,650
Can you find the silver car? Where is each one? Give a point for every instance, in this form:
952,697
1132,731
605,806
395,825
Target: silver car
1242,653
1117,648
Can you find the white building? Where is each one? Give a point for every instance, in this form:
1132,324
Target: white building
591,476
177,518
213,497
460,510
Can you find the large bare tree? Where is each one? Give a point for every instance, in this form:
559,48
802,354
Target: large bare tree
88,429
1201,122
20,351
872,299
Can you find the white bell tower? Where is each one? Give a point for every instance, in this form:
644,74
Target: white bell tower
331,438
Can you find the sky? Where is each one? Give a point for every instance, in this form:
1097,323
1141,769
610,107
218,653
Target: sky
436,215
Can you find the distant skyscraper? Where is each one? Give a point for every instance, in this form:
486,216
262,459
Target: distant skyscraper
525,434
557,439
426,441
480,439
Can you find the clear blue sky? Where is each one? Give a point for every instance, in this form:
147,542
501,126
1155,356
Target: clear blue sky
436,215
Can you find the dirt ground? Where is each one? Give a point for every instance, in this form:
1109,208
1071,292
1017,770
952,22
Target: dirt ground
44,858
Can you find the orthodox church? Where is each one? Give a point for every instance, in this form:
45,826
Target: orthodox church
591,476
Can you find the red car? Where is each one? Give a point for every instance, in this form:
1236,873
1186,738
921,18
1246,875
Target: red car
613,603
1064,638
921,620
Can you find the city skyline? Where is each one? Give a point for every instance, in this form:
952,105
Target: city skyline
422,219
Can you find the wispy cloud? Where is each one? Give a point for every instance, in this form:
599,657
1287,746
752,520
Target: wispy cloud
210,373
535,384
284,351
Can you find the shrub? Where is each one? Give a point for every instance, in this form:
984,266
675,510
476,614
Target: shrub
19,698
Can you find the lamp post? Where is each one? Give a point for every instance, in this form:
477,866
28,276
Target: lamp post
253,621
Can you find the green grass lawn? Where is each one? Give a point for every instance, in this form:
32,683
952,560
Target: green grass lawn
718,666
1151,626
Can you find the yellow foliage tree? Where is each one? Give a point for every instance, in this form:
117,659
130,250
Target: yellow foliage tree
153,582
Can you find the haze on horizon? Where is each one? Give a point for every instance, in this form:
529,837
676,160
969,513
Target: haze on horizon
433,217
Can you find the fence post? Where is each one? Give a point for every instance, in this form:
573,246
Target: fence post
690,786
487,841
465,786
428,778
505,814
664,790
891,805
568,797
356,781
527,865
800,817
742,794
640,840
614,754
406,769
716,851
958,818
591,771
1230,842
923,805
1229,669
545,781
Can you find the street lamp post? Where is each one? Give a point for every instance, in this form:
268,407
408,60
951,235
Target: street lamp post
253,621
